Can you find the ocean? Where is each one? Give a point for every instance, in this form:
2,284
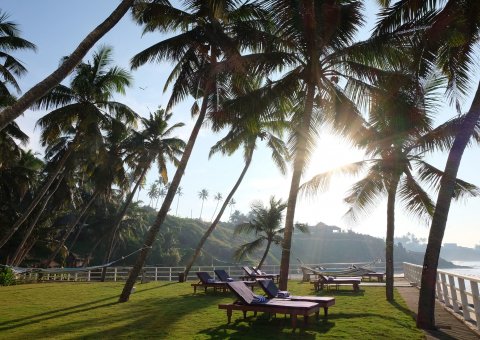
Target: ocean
473,271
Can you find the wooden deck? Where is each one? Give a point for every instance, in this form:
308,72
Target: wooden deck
449,327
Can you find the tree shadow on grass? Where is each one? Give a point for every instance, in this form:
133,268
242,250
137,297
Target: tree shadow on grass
16,323
263,326
151,318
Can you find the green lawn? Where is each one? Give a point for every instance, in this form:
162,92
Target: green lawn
170,310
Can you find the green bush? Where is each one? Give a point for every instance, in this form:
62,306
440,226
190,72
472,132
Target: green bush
7,278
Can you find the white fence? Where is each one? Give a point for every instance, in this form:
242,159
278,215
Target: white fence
151,273
459,293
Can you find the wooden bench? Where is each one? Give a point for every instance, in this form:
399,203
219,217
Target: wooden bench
337,282
378,276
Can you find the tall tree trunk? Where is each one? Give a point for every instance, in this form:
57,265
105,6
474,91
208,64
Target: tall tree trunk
162,214
201,209
77,235
213,215
69,229
392,191
426,302
39,196
178,201
118,220
217,219
11,113
298,167
28,246
33,223
269,243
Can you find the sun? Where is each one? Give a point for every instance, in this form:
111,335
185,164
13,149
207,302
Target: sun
331,152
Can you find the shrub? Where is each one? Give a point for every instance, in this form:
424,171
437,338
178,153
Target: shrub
7,278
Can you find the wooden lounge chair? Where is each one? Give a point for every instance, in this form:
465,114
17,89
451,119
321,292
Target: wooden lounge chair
246,303
224,277
271,290
206,281
327,281
253,275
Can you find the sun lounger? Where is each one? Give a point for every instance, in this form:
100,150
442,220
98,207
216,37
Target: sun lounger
246,303
224,277
254,274
206,281
327,281
271,290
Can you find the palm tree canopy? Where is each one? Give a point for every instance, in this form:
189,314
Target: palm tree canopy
203,194
154,143
10,67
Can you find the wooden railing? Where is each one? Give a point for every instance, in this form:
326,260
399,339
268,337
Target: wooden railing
457,292
152,273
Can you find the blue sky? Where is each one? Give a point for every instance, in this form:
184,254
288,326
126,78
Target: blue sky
57,26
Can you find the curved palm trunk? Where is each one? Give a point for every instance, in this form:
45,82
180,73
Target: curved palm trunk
162,214
298,166
264,255
426,302
216,207
217,219
11,113
39,196
70,229
389,240
33,223
118,220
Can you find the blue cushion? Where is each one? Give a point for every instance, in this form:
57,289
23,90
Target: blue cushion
210,280
229,279
259,299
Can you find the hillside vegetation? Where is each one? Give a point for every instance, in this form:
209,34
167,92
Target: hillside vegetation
324,244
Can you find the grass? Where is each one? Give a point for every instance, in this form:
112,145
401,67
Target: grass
170,310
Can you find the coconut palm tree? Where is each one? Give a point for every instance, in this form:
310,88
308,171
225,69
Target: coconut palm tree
266,226
218,197
10,67
322,56
152,192
203,195
398,134
450,41
179,194
9,114
83,111
232,204
246,133
154,144
210,35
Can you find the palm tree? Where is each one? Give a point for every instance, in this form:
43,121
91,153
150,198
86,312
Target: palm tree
232,204
247,133
9,114
450,41
203,195
322,54
218,197
265,225
152,192
10,67
397,136
179,194
80,112
210,36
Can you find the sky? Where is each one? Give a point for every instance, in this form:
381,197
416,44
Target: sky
57,26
